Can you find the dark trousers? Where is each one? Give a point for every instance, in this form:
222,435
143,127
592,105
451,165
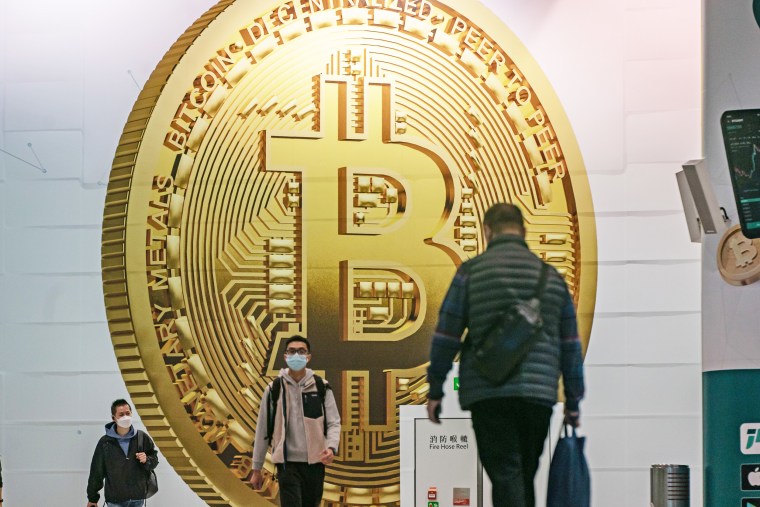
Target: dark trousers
301,484
510,433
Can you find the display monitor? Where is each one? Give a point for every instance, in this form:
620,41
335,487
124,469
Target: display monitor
741,136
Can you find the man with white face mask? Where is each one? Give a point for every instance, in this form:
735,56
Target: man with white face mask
299,418
119,462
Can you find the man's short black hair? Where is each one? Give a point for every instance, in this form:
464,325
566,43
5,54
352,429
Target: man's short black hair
503,215
117,403
298,338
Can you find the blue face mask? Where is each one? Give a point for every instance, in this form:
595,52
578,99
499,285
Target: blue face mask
296,362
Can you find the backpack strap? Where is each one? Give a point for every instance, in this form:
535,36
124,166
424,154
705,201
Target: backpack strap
322,388
541,281
274,395
140,441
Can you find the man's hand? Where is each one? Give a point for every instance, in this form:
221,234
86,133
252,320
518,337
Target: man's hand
141,457
327,456
91,504
434,411
573,418
257,480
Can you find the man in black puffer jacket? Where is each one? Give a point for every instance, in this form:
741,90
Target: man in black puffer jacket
119,462
511,420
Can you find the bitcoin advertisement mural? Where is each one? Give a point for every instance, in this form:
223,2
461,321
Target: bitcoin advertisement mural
321,167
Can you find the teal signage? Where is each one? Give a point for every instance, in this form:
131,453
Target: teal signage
731,426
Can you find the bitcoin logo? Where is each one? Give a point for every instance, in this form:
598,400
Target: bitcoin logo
737,258
321,167
744,252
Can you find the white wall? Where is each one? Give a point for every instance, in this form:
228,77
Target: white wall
66,88
628,74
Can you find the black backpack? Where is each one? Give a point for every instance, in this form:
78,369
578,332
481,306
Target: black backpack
274,395
152,482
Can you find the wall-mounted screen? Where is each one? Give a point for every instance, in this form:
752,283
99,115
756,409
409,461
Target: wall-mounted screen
741,135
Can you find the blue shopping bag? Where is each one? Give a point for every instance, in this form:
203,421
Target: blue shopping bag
569,479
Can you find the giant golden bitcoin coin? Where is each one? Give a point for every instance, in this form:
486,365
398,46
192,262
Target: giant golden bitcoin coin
321,167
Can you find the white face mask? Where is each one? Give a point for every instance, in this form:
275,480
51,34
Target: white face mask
124,422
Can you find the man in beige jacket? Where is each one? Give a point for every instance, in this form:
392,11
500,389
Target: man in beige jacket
305,429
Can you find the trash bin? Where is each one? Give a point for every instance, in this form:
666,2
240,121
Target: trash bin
669,486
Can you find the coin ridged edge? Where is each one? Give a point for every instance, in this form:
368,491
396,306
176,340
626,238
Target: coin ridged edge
114,265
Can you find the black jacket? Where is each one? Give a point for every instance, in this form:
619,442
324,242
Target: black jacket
505,271
125,477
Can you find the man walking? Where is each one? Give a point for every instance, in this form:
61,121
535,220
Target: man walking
299,418
120,462
511,420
